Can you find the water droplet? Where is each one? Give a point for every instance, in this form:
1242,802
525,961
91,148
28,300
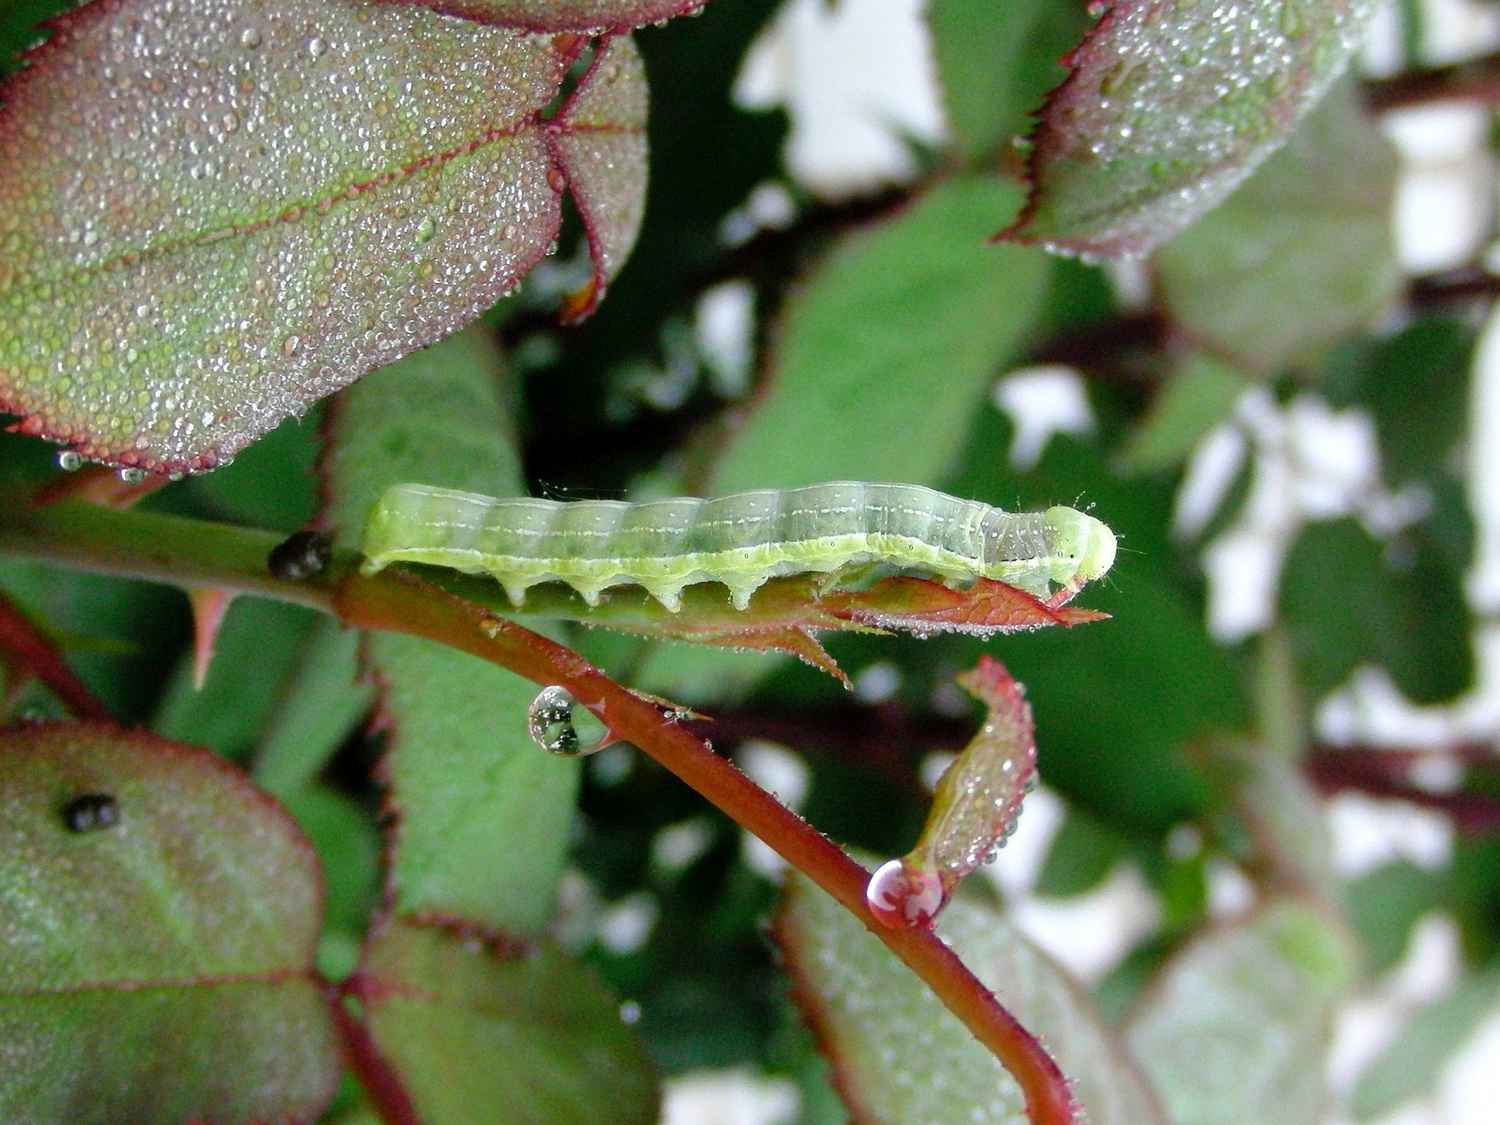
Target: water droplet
554,720
290,345
316,46
250,38
133,475
70,460
425,230
901,896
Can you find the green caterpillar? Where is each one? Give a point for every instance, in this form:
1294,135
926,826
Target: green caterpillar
741,540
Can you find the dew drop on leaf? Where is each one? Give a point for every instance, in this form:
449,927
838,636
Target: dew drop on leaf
558,725
133,475
902,895
70,460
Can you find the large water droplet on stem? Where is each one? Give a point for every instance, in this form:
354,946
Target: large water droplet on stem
902,896
557,724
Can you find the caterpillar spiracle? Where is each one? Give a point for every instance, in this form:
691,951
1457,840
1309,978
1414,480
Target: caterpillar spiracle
740,540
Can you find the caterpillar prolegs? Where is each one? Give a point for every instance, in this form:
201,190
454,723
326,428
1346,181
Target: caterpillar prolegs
741,540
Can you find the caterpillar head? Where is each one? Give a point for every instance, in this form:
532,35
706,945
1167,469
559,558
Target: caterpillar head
1083,546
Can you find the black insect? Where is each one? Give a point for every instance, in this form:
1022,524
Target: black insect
300,556
91,812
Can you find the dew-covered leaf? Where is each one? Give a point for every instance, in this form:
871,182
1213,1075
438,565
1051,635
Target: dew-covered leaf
156,957
592,16
600,143
484,813
1168,107
900,1056
975,806
1301,254
475,1035
1241,1018
219,212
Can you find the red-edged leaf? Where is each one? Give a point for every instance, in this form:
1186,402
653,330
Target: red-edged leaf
595,17
216,213
916,605
785,613
1168,107
476,1032
974,809
898,1056
158,918
599,139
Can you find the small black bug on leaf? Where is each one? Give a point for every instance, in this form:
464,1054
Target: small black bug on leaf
300,556
91,812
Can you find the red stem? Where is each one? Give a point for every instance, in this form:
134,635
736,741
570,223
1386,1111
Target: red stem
26,647
381,1084
401,603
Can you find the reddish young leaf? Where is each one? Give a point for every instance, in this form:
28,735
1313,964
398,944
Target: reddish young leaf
216,213
785,613
915,605
158,919
975,808
1168,107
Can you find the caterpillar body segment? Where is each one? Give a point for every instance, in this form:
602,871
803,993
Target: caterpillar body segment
740,540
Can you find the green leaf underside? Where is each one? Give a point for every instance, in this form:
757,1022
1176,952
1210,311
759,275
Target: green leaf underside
905,321
1168,107
1302,253
1240,1020
534,1040
217,213
159,969
900,1056
484,812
